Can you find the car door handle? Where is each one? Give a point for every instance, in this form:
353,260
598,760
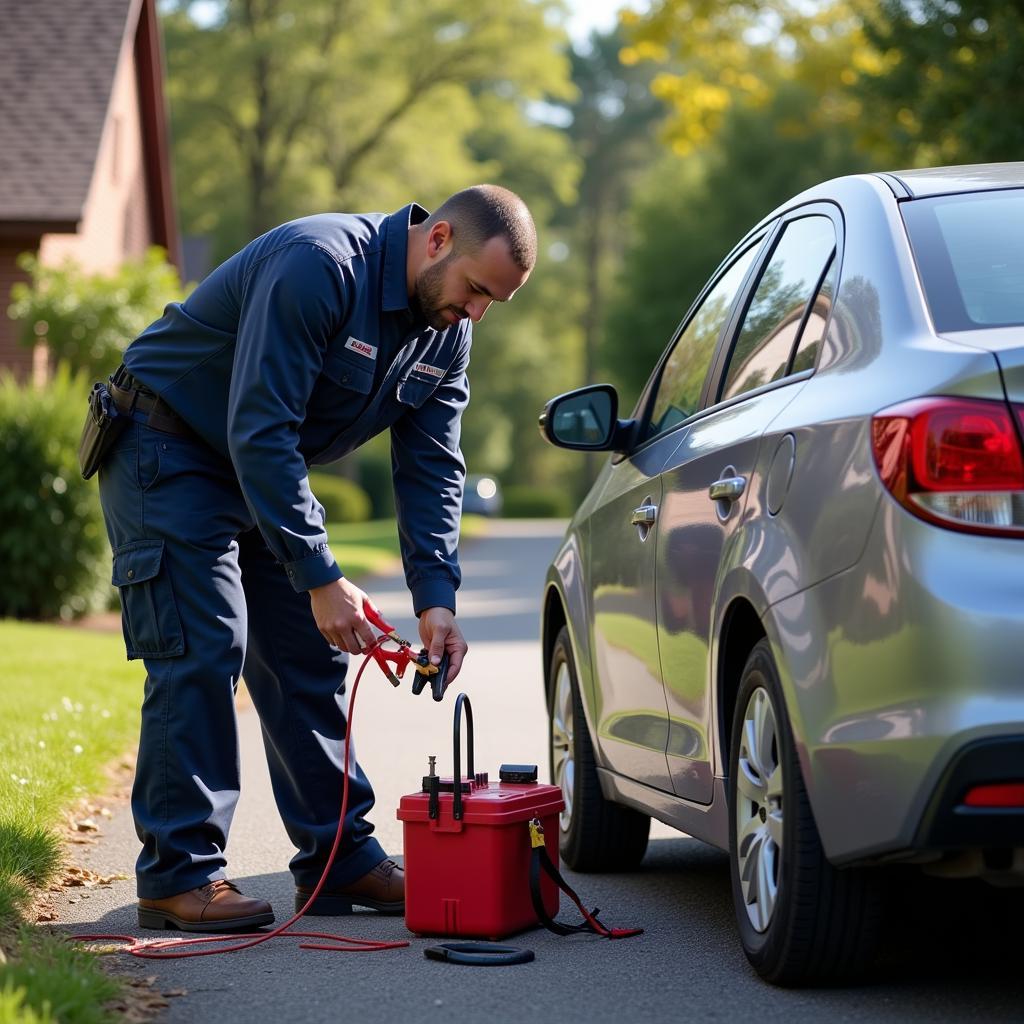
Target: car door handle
644,515
729,488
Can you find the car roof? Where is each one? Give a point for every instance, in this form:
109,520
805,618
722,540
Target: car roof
937,181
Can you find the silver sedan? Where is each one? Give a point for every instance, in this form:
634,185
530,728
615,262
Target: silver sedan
787,617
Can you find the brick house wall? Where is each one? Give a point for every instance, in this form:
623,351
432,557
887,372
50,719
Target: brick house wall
106,189
14,357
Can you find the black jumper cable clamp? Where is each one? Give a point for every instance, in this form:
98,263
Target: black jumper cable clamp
436,675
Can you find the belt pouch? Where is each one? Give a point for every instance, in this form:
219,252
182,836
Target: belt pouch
103,425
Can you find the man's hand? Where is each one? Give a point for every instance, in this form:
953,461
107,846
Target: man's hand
338,610
439,632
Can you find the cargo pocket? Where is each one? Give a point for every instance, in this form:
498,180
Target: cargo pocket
149,615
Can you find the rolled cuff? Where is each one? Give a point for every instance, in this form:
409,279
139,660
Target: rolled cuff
433,594
316,570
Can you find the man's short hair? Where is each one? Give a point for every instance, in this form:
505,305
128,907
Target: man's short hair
482,212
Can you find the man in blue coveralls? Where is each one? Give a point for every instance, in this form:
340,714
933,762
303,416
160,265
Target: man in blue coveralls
315,337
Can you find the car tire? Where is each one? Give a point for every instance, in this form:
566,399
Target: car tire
801,920
594,833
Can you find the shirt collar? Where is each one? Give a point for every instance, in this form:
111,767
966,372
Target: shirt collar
395,294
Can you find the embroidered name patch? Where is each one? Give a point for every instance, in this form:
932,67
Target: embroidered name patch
430,371
370,351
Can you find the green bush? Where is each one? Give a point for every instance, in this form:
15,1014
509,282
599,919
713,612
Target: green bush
53,546
376,478
522,501
88,319
344,501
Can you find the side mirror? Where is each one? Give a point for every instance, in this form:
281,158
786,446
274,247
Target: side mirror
585,420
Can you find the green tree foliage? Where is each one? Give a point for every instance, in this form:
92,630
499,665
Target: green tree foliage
88,319
949,84
713,57
280,109
53,546
690,211
613,123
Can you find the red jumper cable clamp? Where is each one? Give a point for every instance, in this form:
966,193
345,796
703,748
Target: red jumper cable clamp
437,675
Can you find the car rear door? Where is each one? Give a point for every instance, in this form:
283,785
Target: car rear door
631,714
763,356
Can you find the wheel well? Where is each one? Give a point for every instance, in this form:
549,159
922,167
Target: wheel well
554,620
741,630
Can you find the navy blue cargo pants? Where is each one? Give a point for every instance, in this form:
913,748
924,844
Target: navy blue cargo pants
203,603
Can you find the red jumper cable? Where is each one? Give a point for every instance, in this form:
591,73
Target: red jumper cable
172,949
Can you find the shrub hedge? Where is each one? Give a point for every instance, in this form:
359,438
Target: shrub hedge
522,501
53,545
344,501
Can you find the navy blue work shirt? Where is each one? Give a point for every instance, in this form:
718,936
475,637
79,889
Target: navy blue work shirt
298,349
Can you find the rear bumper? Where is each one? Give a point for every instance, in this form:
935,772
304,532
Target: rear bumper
949,824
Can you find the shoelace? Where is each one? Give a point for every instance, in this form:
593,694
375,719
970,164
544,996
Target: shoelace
210,890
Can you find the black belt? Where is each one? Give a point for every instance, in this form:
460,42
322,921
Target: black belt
132,396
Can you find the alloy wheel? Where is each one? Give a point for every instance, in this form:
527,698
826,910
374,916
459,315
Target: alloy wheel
562,761
759,780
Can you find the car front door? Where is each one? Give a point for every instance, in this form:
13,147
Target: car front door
631,714
705,481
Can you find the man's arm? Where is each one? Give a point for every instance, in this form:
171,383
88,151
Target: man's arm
429,477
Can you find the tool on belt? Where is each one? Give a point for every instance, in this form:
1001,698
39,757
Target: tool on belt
481,857
404,656
113,403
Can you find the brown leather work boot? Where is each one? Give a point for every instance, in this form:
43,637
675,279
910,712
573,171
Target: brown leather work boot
382,889
214,907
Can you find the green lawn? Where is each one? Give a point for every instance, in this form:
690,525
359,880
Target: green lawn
69,706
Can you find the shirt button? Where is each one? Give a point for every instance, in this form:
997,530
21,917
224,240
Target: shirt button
131,574
345,378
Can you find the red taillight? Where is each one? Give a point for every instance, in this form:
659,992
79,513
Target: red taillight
954,461
1000,794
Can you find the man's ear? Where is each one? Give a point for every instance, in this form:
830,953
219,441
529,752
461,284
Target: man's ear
439,239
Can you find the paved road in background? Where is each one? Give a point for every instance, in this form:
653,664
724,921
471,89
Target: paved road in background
943,959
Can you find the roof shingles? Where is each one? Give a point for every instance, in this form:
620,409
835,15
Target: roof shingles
57,65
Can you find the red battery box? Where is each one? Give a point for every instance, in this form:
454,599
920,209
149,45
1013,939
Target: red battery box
468,848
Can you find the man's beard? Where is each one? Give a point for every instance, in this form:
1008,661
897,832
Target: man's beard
429,288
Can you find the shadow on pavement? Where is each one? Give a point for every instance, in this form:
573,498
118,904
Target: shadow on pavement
937,932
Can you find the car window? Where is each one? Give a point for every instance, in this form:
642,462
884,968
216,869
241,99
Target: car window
682,378
970,251
814,330
772,322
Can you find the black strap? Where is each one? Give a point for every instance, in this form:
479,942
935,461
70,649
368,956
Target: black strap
540,861
478,954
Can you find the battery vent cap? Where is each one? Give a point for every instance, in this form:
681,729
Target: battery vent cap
518,773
